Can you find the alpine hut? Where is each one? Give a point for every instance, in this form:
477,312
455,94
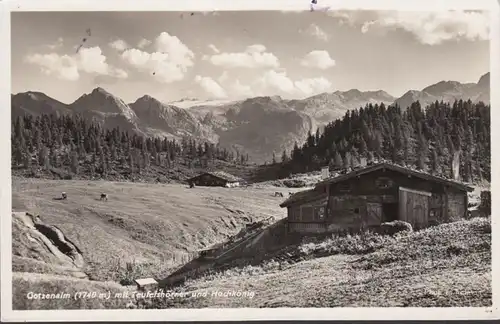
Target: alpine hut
215,178
371,195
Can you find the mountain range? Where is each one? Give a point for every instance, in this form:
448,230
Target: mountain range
258,126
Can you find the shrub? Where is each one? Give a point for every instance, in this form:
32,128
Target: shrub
455,249
295,183
482,225
126,273
362,243
391,228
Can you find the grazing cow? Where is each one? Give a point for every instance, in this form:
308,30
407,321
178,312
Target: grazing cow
191,185
64,196
104,196
278,194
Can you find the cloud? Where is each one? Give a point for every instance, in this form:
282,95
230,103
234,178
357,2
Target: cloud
272,82
313,85
177,51
213,48
59,43
211,87
156,64
169,62
318,59
254,56
66,67
430,28
241,90
91,60
276,80
144,43
223,77
234,86
117,73
119,45
63,67
106,79
316,32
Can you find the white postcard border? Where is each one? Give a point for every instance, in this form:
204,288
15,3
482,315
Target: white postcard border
239,313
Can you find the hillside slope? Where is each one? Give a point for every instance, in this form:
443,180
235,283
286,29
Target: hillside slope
35,250
108,110
149,230
262,126
444,266
159,119
156,227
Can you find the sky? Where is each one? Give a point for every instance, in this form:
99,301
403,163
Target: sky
239,54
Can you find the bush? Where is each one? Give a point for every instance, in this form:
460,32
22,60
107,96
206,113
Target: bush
295,183
482,225
455,249
362,243
127,281
126,273
391,228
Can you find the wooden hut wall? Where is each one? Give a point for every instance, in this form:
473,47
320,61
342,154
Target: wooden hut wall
371,198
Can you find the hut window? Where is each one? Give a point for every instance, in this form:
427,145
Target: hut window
319,212
383,183
356,210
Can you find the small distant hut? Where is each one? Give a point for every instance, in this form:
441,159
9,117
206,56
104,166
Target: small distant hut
215,179
146,284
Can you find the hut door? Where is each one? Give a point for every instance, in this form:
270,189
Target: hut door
373,214
414,207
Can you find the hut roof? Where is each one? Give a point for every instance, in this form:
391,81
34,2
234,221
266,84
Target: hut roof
397,168
145,281
311,194
303,196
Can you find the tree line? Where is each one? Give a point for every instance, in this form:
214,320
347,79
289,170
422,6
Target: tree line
424,138
80,146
